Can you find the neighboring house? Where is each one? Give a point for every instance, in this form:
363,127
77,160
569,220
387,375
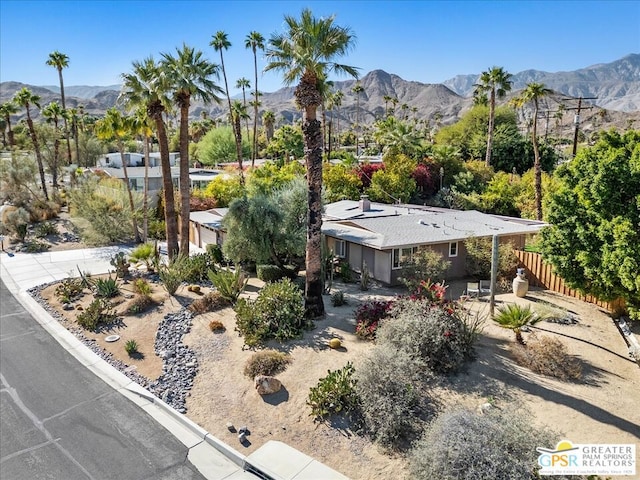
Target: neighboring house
200,178
114,160
136,179
205,227
385,236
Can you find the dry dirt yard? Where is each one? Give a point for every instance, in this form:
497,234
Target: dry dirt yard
600,408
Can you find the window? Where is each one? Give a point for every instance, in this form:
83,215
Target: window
453,249
402,256
340,248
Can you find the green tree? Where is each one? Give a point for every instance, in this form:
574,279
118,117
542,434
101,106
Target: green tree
224,189
244,83
288,141
497,82
115,127
26,98
255,41
593,240
305,54
7,109
59,61
398,137
268,120
271,177
533,93
393,183
146,88
53,113
341,183
219,146
188,76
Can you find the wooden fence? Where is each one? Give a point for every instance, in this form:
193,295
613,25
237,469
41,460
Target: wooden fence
540,274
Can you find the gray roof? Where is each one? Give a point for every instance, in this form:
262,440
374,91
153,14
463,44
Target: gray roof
393,226
210,218
137,172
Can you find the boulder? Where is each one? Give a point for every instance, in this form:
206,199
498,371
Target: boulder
266,385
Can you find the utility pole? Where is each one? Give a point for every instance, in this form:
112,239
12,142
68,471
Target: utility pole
576,120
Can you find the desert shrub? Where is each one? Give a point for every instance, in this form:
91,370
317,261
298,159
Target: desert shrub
69,290
368,317
17,222
345,273
229,283
334,393
266,362
478,259
210,302
432,335
196,267
35,246
278,313
43,229
392,396
269,273
142,286
171,275
425,264
365,277
106,287
121,264
139,304
131,347
98,312
464,445
548,356
215,251
145,253
216,326
337,299
157,229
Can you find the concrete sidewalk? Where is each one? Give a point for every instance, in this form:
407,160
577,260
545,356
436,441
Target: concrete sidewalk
213,458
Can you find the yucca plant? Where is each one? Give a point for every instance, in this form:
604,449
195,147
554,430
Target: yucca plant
229,283
514,317
131,347
106,287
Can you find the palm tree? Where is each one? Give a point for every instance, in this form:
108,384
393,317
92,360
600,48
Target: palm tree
59,61
244,83
238,113
53,112
220,42
269,120
116,128
6,110
357,89
255,41
337,102
26,98
515,317
188,76
533,92
387,99
146,88
141,125
497,82
305,54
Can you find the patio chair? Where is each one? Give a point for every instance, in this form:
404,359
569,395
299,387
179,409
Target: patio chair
473,289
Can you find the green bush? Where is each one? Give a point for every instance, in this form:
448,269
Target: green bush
35,246
17,222
195,268
368,317
97,313
229,283
434,336
131,347
210,302
266,362
334,393
69,290
139,304
464,445
145,253
46,228
278,313
269,273
337,299
345,273
215,251
106,287
142,286
171,275
425,264
157,230
478,259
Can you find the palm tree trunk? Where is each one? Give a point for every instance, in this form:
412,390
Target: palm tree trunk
145,197
237,130
184,178
167,185
36,148
254,150
136,234
64,106
10,133
492,110
536,164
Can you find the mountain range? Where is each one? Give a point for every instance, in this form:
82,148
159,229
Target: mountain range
615,86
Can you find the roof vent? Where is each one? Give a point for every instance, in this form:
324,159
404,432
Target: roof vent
365,203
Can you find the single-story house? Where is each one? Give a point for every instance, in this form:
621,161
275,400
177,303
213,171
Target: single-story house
205,227
384,236
133,159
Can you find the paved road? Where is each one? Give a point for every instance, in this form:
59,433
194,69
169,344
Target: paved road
59,421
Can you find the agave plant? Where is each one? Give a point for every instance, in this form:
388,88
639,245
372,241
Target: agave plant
515,317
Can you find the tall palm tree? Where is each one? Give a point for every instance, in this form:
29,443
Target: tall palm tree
6,110
497,82
146,88
59,61
387,99
74,116
26,98
188,76
357,89
141,125
255,41
238,113
305,54
244,83
53,113
114,127
269,120
219,43
337,102
533,92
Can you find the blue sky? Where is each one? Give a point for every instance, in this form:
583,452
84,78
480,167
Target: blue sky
425,41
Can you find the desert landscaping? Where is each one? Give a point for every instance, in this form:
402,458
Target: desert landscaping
580,410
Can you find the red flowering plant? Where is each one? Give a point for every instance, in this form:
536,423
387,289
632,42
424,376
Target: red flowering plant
369,315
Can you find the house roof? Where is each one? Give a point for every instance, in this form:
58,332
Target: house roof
137,172
394,226
209,218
